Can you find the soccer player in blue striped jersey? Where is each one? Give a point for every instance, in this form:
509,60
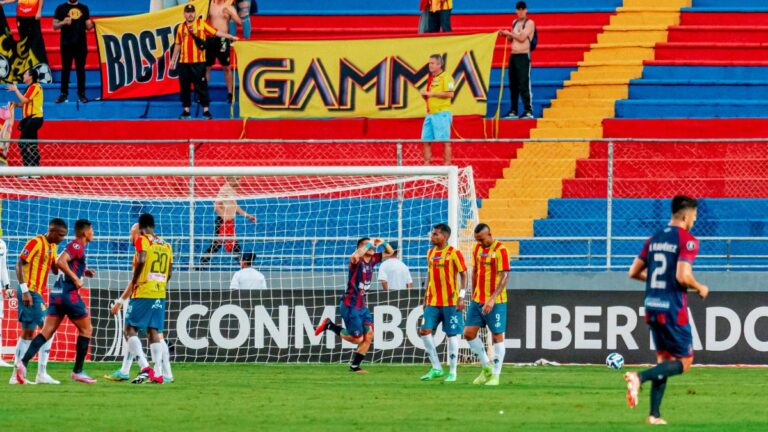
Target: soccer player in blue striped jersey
65,301
353,306
665,265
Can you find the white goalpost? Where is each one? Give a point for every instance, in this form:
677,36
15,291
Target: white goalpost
308,220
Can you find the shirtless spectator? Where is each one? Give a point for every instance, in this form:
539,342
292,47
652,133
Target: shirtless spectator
220,14
226,208
520,35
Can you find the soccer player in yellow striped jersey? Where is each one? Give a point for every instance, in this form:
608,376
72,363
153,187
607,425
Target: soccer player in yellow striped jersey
35,262
490,261
146,310
443,301
161,355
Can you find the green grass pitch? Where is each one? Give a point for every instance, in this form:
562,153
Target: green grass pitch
238,397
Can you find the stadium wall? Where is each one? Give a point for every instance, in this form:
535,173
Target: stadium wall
563,317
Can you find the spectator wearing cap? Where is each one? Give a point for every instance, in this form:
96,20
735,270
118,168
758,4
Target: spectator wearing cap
520,61
248,278
32,117
189,56
393,273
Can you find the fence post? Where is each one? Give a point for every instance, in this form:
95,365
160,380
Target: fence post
191,208
609,209
400,198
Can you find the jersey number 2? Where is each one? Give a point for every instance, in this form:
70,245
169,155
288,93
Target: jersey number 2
659,271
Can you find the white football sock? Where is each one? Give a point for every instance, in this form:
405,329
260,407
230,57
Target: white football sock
134,347
498,358
478,348
429,347
157,357
453,353
125,369
21,348
166,361
42,357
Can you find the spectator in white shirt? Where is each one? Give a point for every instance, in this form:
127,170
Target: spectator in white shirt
248,278
393,273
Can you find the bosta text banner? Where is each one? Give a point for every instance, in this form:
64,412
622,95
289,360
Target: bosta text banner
135,52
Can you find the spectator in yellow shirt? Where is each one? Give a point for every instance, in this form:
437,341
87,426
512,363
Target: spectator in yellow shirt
438,93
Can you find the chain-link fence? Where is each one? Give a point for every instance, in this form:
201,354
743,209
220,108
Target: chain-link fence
564,205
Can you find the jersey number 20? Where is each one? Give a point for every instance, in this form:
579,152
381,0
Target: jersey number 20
160,264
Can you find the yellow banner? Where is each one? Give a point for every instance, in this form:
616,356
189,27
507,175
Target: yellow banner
374,78
135,52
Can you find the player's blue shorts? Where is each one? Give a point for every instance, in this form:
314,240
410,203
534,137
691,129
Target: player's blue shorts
33,316
355,320
496,320
669,337
453,320
68,304
437,127
144,313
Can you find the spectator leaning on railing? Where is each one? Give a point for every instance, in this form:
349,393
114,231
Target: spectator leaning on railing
73,19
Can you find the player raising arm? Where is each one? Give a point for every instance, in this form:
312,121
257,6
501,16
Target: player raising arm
64,301
443,302
489,302
667,256
353,307
146,311
35,263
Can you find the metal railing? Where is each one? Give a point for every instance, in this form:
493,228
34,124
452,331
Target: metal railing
600,252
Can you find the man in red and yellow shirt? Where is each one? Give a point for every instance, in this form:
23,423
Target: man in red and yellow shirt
32,119
490,261
189,55
444,301
35,262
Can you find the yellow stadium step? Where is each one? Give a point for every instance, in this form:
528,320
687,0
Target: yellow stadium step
570,122
628,16
510,228
539,168
581,103
524,208
573,112
578,90
656,4
607,71
632,34
553,150
588,133
601,52
523,193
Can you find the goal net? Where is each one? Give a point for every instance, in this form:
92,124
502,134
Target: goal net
307,222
